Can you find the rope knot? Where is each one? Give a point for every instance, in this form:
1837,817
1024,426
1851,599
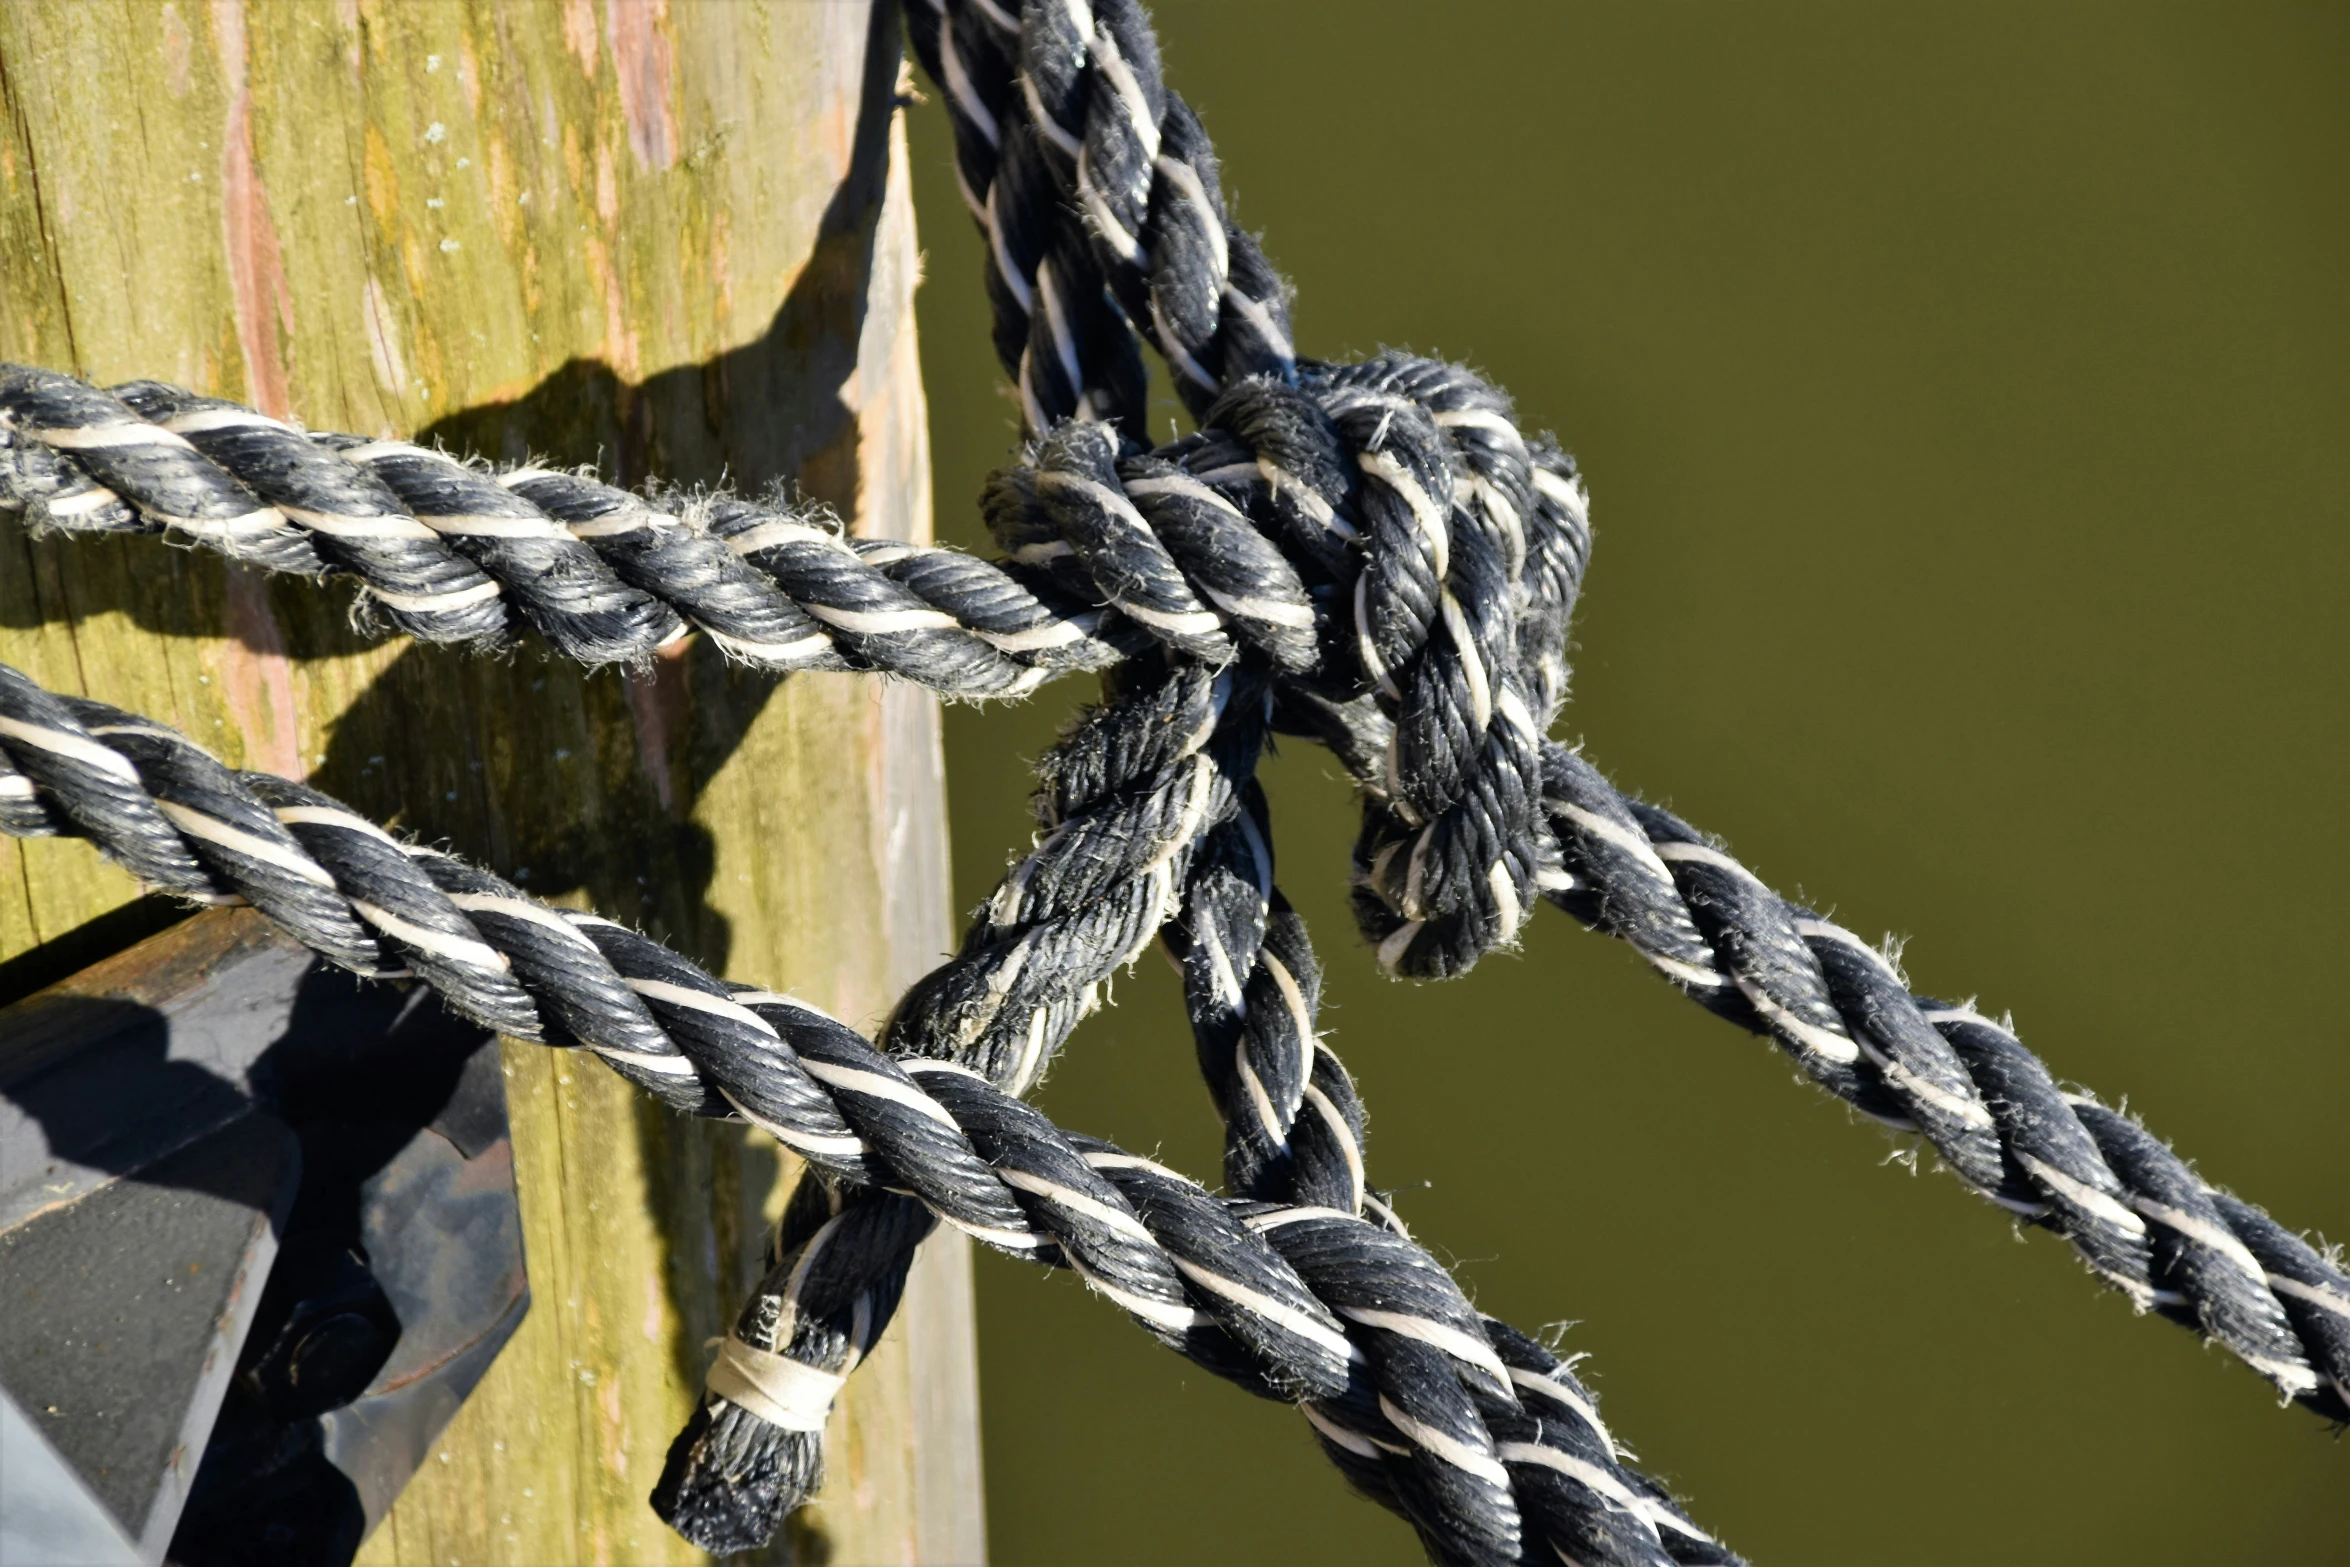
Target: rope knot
1379,538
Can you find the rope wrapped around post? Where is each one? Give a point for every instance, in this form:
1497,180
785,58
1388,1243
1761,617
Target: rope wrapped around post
1366,531
1289,1301
1069,143
2065,1163
1076,515
1371,554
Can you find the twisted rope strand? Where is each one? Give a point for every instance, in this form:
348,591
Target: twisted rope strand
1294,1138
1153,539
2141,1218
1128,791
1379,547
450,551
1224,514
1419,558
1098,194
1125,800
1294,1302
1099,197
1382,527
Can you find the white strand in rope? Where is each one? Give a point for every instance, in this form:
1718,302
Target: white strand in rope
778,1389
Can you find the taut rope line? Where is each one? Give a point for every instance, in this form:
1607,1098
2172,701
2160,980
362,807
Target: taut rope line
1464,1423
1369,530
1372,554
2141,1218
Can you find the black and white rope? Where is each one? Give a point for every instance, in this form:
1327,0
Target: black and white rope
973,49
2140,1216
1372,554
1077,909
2163,1235
1100,200
1126,796
1381,527
1070,914
1099,197
1291,1301
1294,1140
1138,180
451,551
1420,552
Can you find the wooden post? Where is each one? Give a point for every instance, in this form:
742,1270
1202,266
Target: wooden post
672,240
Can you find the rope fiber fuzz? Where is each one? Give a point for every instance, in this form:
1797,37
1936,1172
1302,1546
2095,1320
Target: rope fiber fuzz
1335,1309
1373,555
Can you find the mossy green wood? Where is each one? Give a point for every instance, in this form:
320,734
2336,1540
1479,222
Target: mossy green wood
674,241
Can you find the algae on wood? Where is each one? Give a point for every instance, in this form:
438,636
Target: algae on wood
671,240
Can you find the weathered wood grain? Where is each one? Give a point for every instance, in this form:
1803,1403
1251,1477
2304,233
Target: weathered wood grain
668,239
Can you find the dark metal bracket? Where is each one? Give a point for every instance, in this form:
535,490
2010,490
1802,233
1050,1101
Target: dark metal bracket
258,1241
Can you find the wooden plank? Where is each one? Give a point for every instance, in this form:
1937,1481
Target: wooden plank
669,240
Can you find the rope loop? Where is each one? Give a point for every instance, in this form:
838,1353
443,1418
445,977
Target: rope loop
1373,554
1333,1308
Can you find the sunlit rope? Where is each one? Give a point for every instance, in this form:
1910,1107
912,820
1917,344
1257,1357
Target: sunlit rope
1371,554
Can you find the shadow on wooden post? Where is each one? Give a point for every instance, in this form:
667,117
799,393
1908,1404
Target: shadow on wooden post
667,241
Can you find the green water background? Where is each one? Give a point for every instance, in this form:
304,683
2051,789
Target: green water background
1964,392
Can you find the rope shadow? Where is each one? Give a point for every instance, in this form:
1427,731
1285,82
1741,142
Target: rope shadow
565,779
772,412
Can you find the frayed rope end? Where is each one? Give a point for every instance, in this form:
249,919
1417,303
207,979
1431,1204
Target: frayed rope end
732,1478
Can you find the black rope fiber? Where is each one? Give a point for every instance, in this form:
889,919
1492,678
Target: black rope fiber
1366,531
1472,1430
1068,143
2138,1214
1373,555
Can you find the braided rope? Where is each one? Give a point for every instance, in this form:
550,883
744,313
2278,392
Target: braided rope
2140,1217
1372,552
1098,194
1072,89
1294,1141
1160,537
448,551
1294,1301
1434,566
